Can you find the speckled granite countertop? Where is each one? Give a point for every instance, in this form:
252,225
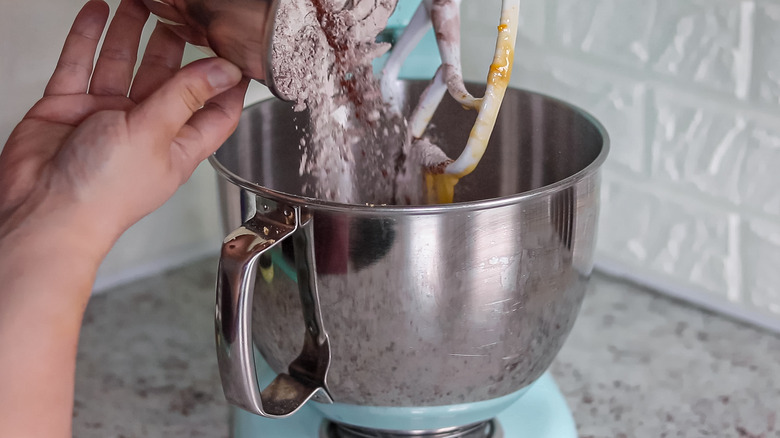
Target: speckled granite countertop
636,365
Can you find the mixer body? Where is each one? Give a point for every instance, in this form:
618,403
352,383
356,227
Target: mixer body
424,305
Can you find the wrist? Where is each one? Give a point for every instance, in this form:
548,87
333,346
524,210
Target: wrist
48,268
65,235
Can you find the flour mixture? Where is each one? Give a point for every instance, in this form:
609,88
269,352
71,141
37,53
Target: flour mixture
359,148
323,52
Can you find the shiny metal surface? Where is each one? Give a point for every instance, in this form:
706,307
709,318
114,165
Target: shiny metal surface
487,429
428,305
242,252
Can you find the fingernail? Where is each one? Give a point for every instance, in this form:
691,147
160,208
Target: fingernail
222,74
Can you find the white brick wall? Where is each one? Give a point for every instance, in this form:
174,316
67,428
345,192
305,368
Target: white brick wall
762,262
690,93
696,147
766,67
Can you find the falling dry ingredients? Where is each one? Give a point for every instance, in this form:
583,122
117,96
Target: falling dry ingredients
360,147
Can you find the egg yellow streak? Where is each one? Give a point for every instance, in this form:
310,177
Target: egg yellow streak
441,187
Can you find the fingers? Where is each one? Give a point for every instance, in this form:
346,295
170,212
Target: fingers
114,69
74,68
165,10
162,59
159,118
74,109
208,129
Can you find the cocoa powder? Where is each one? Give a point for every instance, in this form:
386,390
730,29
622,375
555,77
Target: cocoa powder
322,55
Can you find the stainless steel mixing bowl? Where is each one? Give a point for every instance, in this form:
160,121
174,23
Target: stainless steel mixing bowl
406,306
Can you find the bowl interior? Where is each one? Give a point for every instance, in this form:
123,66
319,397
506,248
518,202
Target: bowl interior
537,141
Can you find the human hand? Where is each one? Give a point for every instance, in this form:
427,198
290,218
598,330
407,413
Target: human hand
234,29
100,150
96,156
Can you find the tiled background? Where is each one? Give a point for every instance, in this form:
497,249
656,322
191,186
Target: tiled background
688,89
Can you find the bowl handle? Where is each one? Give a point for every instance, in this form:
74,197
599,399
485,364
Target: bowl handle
306,375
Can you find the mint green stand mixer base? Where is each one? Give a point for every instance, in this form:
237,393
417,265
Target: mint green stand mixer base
539,411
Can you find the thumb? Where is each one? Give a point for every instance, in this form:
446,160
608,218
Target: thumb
160,116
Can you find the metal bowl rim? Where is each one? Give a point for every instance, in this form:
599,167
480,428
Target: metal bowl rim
483,204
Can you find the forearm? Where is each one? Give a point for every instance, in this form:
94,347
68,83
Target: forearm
45,283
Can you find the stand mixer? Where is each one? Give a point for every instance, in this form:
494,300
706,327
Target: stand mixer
439,321
341,321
